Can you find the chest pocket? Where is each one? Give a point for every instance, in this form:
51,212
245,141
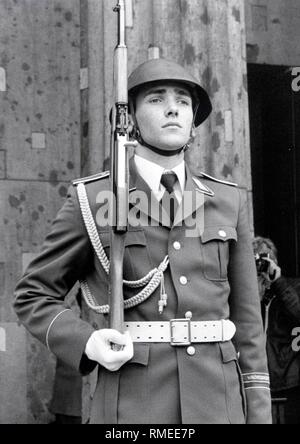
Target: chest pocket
215,251
136,260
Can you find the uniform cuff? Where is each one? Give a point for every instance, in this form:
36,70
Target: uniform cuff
67,337
86,365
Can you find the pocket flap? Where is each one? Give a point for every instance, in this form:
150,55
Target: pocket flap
228,352
132,238
141,354
219,233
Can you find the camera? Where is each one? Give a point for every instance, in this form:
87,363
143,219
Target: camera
262,266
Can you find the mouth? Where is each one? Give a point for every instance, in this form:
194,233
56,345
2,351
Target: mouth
172,125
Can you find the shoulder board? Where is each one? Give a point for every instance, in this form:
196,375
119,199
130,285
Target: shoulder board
232,184
90,179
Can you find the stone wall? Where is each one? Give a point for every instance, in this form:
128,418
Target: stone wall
273,32
39,155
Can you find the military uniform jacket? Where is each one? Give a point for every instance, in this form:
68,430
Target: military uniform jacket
211,274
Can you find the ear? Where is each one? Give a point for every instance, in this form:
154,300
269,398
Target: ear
131,127
130,123
193,132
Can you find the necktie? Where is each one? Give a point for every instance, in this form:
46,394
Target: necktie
169,201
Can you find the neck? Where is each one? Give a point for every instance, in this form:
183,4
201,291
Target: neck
163,161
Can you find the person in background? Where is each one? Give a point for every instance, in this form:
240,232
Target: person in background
280,299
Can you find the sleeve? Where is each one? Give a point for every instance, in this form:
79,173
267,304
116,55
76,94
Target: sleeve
39,296
246,314
67,391
289,295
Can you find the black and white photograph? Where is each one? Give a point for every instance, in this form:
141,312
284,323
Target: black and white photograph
149,214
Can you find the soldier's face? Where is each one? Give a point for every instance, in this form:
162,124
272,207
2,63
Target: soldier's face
164,114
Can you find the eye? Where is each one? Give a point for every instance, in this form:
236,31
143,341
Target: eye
186,102
155,100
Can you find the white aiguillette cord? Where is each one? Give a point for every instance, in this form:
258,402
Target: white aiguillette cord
152,281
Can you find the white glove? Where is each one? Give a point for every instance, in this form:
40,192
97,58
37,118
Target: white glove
99,349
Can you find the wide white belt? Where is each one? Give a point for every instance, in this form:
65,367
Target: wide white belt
181,332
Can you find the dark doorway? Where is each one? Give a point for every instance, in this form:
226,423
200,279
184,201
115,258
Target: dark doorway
275,151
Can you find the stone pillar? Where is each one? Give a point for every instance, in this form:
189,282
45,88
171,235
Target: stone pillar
39,155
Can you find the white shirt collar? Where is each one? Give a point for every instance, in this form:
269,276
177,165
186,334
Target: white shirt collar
151,173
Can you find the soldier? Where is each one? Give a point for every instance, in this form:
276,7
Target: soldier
181,360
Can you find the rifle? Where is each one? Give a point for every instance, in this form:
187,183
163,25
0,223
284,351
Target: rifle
119,175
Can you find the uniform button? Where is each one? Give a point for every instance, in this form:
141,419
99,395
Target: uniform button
183,280
222,233
177,246
191,351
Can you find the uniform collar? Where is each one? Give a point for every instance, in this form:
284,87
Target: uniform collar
193,198
151,173
143,199
201,188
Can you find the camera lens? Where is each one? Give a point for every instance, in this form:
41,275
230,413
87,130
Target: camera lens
262,266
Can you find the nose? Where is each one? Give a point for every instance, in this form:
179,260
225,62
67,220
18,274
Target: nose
171,108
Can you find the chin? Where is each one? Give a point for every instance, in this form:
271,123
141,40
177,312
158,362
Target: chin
173,146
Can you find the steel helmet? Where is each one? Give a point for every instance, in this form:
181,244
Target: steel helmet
156,70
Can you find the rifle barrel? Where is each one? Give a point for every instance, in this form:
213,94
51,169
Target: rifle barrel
122,24
119,174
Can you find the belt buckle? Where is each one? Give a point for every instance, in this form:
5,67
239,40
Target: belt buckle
182,337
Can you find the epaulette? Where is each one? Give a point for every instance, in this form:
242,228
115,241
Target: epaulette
225,182
90,179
